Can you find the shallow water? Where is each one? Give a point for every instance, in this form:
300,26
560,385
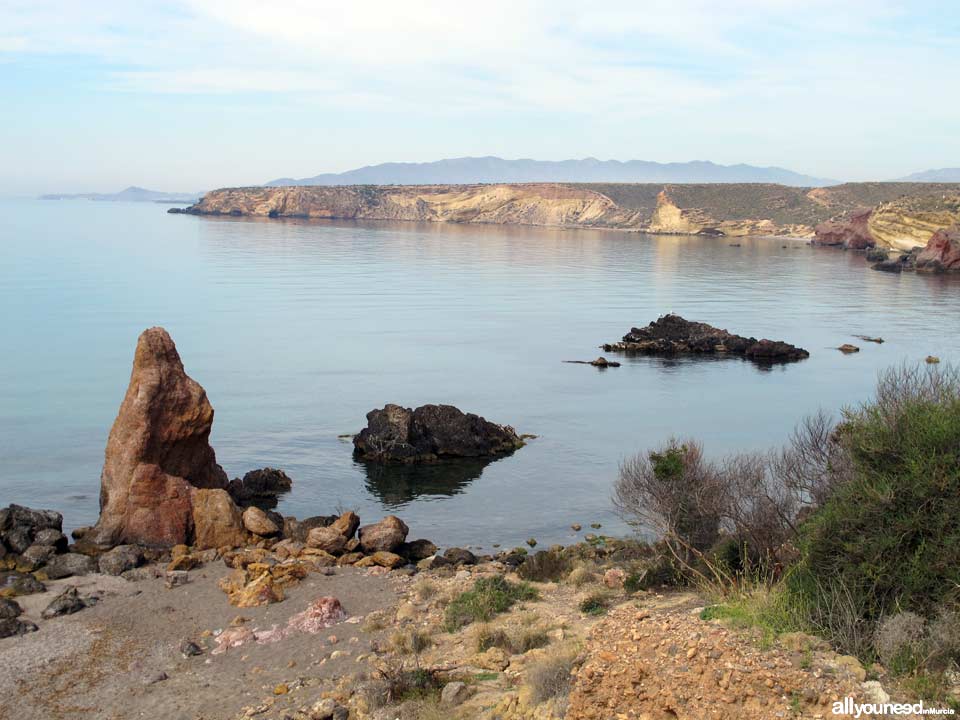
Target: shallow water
296,329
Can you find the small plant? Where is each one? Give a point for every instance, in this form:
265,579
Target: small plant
595,604
551,677
410,642
516,643
489,597
424,589
544,566
635,582
581,575
374,622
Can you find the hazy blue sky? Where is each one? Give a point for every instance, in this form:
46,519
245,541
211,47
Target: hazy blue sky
196,94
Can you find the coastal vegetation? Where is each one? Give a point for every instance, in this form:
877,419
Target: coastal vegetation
850,533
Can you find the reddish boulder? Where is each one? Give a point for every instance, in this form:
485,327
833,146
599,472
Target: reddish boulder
852,233
158,453
942,253
384,536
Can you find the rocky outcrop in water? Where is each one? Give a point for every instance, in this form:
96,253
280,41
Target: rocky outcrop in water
260,487
853,233
673,335
429,433
942,253
158,457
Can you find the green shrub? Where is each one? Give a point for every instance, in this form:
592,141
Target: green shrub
891,533
595,603
489,597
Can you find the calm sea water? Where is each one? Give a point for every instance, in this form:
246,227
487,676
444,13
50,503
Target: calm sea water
297,329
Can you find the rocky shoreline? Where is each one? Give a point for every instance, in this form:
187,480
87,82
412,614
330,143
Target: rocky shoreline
720,210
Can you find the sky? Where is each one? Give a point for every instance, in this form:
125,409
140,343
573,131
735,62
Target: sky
190,95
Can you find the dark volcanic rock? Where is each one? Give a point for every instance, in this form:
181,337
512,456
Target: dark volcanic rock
68,564
260,487
673,335
67,603
417,550
459,556
21,527
120,559
431,432
35,556
9,609
852,233
158,454
12,626
942,253
13,583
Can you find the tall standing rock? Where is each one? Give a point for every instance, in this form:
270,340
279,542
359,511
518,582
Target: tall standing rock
158,453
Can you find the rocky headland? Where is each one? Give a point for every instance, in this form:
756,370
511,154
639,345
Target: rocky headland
729,209
672,335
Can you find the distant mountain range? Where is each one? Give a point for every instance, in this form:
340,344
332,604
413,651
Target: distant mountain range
941,175
130,194
470,170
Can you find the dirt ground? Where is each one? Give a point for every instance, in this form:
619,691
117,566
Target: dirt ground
105,662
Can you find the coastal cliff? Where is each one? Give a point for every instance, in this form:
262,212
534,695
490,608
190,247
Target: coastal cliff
710,209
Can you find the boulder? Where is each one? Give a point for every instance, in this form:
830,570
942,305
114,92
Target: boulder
67,603
431,432
61,566
260,487
11,627
53,538
386,559
297,529
158,453
327,539
459,556
216,520
673,335
35,556
120,559
20,527
9,609
258,522
384,536
852,233
346,524
942,253
454,693
14,583
417,550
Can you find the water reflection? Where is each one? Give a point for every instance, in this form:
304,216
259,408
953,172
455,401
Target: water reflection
396,485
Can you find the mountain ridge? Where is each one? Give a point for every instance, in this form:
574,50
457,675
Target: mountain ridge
132,193
492,170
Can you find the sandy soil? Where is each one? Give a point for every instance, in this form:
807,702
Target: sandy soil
104,662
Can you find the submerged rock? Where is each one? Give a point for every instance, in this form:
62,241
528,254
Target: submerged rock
431,432
158,453
673,335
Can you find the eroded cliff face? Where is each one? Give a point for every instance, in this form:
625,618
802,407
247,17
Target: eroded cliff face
721,209
910,222
535,204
